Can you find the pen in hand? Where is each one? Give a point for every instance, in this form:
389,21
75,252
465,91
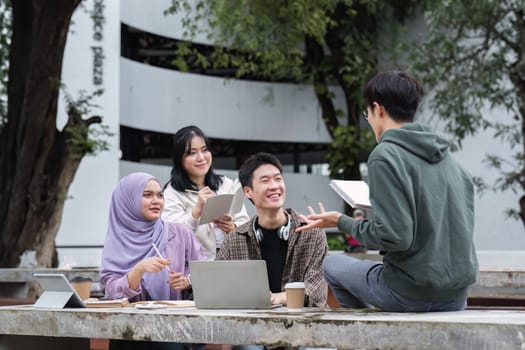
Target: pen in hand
159,254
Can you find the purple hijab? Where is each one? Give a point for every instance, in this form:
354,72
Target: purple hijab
130,236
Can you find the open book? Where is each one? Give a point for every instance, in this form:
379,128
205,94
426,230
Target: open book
221,204
354,192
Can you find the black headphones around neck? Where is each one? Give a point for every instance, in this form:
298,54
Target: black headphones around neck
283,232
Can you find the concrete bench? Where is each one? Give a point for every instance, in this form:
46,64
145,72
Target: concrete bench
312,327
14,281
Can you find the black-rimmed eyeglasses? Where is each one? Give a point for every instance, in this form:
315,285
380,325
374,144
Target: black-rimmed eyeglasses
365,114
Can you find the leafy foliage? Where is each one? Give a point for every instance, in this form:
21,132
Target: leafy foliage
325,43
83,138
346,148
83,104
267,36
89,140
336,242
473,58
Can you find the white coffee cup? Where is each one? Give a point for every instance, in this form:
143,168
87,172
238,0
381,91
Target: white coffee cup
294,295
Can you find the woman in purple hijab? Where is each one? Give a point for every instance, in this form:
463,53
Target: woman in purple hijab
131,267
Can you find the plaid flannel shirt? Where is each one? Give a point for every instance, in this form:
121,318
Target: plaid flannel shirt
306,251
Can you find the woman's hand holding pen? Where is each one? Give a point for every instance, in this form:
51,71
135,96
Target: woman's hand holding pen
203,194
179,281
153,264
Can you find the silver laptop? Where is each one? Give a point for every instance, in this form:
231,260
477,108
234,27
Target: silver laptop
58,292
230,284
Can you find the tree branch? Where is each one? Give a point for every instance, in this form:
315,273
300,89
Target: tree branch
95,119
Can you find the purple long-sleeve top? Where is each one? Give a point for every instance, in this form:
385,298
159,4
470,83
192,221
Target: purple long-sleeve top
181,247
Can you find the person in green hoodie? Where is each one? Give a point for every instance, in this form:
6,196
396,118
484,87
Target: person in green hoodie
423,222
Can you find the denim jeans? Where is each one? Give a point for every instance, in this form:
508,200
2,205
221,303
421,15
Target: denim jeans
359,284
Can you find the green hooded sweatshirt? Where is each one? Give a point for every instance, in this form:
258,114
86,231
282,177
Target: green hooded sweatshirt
423,222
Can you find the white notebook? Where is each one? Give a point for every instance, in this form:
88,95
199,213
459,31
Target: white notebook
225,203
354,192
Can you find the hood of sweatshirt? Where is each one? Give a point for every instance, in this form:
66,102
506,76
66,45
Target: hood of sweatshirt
419,140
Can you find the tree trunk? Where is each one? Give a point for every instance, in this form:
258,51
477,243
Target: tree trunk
335,42
315,56
37,163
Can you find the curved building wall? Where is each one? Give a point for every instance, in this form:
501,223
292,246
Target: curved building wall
149,17
164,100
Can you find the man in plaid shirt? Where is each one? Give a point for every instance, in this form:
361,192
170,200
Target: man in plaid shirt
271,236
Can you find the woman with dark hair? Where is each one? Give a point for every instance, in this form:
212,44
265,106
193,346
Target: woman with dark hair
192,182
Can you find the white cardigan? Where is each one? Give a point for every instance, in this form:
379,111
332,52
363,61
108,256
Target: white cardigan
178,206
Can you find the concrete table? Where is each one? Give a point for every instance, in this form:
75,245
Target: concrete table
336,328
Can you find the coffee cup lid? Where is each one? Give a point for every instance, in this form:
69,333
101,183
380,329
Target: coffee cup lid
294,285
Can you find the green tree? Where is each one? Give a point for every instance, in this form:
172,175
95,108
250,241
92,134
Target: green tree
324,43
38,161
473,58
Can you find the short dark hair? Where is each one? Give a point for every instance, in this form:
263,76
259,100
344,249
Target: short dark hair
179,178
398,92
252,163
